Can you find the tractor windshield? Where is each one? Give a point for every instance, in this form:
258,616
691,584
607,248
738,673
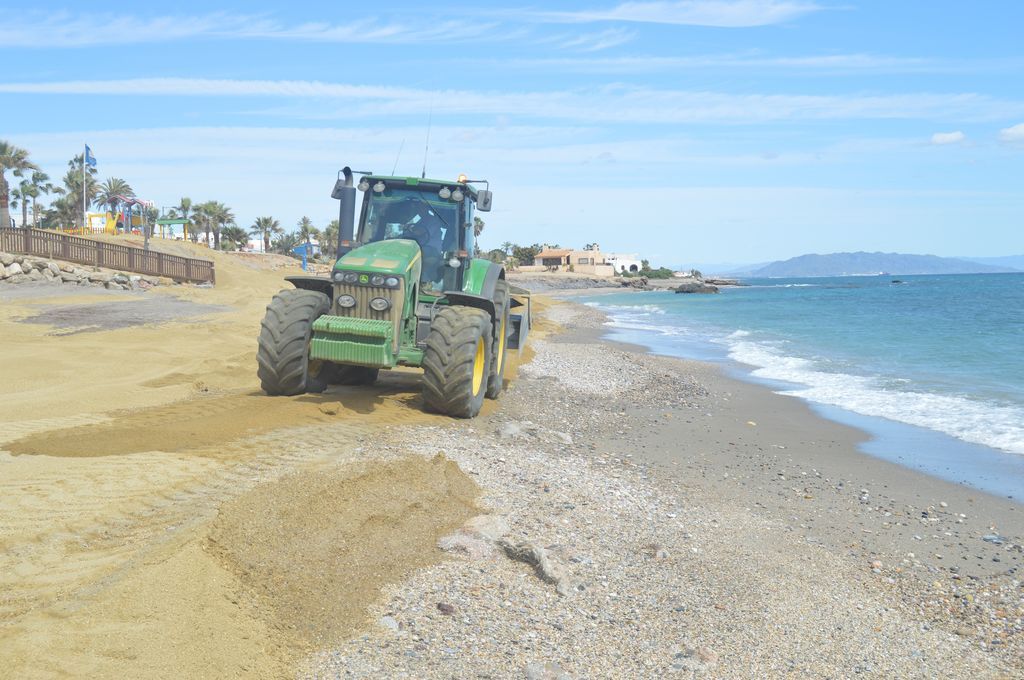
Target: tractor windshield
419,215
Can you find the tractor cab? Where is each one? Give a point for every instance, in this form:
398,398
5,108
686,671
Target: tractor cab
437,215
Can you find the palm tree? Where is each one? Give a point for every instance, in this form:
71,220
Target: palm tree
20,196
285,242
307,232
74,188
201,217
235,235
507,247
220,216
265,228
329,242
184,211
41,185
16,160
112,191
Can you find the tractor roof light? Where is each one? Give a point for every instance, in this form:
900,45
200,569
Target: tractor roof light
445,193
463,179
363,185
457,195
379,187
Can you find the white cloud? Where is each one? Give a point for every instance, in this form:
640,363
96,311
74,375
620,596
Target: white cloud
605,104
943,138
833,63
1013,134
65,29
719,13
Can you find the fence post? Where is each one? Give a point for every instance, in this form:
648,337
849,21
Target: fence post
28,242
99,253
160,263
66,242
131,259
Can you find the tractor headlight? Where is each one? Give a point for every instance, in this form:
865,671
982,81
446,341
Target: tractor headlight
379,304
391,282
346,301
377,280
339,277
454,263
351,277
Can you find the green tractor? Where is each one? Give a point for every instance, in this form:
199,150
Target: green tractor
405,291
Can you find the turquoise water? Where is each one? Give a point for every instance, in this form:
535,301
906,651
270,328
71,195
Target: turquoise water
943,353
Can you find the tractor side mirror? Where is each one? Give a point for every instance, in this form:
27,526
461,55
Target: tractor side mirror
483,200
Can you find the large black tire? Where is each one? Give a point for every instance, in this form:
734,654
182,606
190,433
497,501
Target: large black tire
496,374
456,360
283,353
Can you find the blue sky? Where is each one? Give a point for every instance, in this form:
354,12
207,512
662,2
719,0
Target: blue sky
691,132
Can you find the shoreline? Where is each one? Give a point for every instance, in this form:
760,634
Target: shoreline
977,466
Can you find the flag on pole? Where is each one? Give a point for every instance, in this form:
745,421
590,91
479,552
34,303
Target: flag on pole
89,158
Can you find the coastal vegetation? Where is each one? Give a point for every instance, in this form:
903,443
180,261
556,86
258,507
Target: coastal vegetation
213,220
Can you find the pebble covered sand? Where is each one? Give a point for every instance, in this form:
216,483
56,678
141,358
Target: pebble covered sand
591,561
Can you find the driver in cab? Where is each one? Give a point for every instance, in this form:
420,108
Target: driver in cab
419,223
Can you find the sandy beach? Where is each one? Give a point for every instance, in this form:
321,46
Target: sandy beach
614,514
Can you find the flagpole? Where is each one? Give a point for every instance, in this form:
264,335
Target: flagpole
85,154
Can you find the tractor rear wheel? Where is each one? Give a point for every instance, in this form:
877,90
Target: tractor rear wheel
283,352
496,375
456,361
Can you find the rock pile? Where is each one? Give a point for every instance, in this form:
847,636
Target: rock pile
26,268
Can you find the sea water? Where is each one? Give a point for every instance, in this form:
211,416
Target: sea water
942,356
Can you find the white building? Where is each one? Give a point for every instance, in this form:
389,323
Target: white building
624,263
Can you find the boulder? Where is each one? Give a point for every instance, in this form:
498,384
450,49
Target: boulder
14,269
6,259
121,279
35,275
17,278
47,274
696,286
68,277
53,268
101,277
67,267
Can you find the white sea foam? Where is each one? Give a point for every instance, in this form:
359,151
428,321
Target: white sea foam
991,424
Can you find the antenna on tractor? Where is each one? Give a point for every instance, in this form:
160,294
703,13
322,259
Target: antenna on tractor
397,156
426,149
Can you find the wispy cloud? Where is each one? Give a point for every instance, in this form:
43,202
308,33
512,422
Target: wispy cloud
1013,134
70,30
813,64
606,104
719,13
944,138
591,42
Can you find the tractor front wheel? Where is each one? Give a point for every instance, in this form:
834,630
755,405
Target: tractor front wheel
456,361
283,352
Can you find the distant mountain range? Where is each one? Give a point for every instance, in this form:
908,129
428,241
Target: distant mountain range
867,264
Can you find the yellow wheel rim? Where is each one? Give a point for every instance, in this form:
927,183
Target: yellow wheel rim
479,366
501,345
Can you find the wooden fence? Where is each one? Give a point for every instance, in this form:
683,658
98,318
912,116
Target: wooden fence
102,254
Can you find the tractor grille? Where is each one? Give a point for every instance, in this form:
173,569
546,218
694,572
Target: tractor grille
363,295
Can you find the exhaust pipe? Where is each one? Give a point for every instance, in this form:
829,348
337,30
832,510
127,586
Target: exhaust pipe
346,194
